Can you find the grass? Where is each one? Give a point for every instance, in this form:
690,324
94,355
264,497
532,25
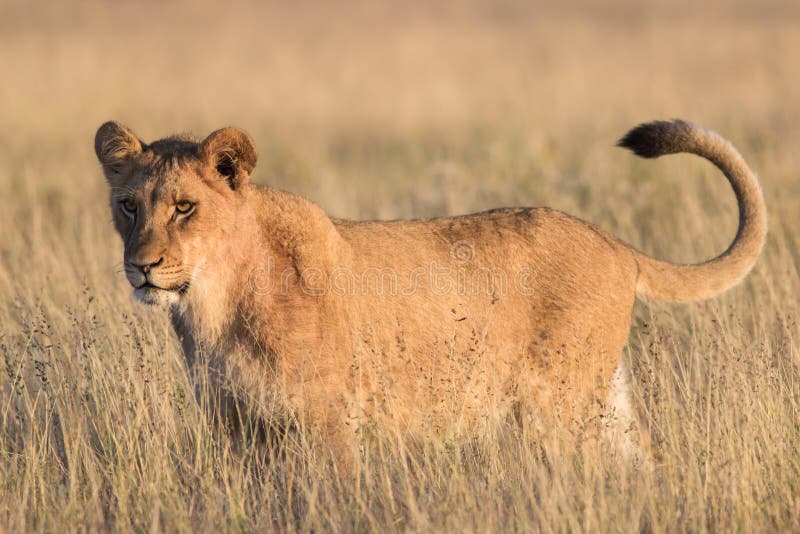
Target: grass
380,111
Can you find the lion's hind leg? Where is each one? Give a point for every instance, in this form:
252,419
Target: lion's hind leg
624,432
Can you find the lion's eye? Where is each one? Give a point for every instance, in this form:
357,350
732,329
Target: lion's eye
128,206
184,207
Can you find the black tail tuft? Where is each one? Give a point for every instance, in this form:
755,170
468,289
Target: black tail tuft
657,138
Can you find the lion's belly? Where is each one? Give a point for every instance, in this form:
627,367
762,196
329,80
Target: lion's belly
456,365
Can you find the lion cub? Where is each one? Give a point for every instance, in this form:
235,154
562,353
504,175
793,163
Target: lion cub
435,325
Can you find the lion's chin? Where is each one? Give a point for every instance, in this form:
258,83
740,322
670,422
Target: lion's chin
153,296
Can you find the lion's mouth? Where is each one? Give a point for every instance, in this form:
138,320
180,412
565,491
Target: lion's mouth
149,293
178,288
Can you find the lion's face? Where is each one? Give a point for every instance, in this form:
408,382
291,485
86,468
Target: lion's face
169,220
174,203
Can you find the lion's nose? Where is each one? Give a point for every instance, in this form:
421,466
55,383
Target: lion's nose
147,266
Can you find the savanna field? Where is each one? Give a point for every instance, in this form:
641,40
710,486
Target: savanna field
378,110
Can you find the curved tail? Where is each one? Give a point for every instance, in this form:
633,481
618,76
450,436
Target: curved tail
673,282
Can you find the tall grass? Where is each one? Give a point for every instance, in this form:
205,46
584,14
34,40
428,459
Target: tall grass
375,110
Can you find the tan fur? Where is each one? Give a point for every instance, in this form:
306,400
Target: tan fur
438,325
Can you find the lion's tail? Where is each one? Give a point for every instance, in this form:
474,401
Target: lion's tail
673,282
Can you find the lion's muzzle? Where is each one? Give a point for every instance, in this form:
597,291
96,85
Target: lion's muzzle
154,282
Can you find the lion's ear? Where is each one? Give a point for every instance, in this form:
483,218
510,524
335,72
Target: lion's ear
232,153
114,145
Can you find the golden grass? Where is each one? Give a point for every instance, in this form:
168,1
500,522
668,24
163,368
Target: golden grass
380,111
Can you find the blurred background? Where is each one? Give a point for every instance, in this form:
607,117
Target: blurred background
345,87
387,110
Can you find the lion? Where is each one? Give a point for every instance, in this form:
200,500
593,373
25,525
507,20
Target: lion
434,325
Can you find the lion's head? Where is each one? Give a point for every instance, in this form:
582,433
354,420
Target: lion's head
174,203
